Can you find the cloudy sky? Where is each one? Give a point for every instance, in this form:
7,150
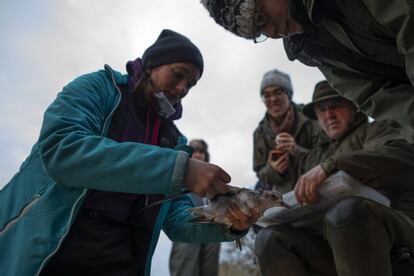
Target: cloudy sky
47,43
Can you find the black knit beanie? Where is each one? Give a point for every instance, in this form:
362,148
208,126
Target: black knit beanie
171,47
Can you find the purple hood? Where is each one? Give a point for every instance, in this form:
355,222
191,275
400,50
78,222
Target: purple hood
135,70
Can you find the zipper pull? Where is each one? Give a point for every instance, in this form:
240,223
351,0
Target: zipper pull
146,200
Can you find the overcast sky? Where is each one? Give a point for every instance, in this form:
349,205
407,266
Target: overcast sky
47,43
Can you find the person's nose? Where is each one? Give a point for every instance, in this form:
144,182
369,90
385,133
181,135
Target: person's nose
270,30
330,113
181,88
267,29
273,97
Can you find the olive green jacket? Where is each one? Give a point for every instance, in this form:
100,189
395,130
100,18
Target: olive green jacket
307,135
375,154
365,50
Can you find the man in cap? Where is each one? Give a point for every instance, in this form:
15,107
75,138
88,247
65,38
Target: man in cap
283,132
355,236
364,48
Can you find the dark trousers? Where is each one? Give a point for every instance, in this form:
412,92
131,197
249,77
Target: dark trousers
356,240
95,246
194,259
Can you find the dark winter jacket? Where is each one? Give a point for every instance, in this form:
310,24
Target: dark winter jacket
307,135
373,153
365,50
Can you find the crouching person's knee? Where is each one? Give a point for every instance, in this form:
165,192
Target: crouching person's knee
348,211
264,241
352,228
351,219
270,246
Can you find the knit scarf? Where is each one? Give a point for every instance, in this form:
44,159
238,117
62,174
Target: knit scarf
286,125
135,71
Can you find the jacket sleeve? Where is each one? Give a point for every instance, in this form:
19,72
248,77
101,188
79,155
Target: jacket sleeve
377,98
397,17
266,174
177,226
76,154
385,162
309,134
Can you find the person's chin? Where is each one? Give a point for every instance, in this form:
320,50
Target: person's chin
277,36
335,133
275,114
293,27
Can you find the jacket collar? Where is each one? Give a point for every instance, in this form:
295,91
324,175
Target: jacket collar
359,120
118,78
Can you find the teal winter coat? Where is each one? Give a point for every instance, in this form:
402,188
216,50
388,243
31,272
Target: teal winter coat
72,155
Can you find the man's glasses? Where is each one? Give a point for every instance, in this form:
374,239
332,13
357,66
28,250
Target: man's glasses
268,95
260,19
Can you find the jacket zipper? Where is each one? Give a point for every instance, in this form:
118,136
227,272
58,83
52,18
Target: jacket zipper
106,124
26,208
64,236
85,190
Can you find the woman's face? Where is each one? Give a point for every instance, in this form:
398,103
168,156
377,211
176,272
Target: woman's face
276,101
174,79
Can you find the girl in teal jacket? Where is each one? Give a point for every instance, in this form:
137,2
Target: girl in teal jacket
107,148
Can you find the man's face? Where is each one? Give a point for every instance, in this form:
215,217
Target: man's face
175,80
335,116
279,23
276,101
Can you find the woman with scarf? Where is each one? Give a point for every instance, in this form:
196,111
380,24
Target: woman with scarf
282,134
108,148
